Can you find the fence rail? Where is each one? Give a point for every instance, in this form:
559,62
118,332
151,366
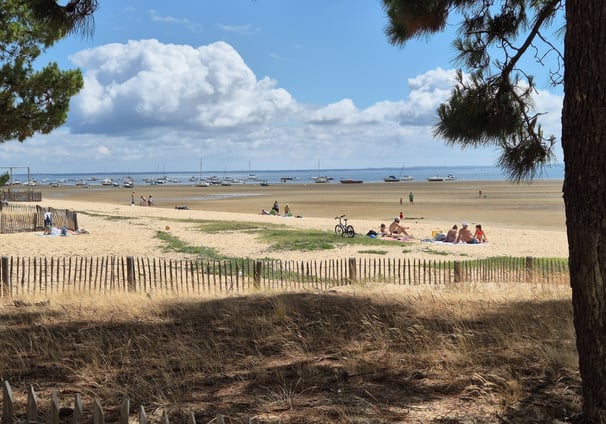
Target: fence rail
47,275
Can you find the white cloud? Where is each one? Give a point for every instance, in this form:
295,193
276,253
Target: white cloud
147,83
239,29
172,20
148,104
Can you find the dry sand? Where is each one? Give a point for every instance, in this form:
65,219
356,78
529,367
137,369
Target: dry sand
520,220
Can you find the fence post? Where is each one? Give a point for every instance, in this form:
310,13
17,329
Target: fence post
124,411
529,268
257,273
353,270
457,272
7,403
130,273
54,407
6,277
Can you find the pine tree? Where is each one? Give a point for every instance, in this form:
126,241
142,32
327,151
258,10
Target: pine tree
493,106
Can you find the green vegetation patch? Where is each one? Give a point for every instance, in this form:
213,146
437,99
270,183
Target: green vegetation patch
234,226
373,252
174,244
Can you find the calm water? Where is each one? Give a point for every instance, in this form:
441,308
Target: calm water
466,173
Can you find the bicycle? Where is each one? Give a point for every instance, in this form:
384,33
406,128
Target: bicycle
342,229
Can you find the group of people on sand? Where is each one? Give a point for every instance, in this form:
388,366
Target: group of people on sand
465,235
275,210
142,200
395,230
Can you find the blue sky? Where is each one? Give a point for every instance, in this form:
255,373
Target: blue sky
270,84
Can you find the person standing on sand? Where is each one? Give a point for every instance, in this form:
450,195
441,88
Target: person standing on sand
411,198
132,199
150,201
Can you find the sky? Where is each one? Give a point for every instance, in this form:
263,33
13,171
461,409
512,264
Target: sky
253,85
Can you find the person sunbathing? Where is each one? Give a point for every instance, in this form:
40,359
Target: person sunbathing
480,235
451,235
465,235
396,228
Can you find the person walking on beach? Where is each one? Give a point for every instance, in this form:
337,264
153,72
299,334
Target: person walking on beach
132,199
411,198
150,201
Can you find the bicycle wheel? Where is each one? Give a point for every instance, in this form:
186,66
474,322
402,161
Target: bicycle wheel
350,231
338,230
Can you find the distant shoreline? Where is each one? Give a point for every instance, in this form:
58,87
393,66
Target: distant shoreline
305,176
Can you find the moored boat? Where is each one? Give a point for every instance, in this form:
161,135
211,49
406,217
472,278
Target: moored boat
436,178
391,179
350,181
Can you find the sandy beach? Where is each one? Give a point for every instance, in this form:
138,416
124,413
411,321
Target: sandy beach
519,220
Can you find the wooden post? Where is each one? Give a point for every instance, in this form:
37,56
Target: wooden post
457,272
7,403
6,277
124,411
130,273
257,274
529,268
353,270
54,407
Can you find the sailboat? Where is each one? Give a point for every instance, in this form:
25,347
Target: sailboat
394,179
201,181
251,176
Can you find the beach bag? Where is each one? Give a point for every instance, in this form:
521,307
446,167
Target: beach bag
371,233
440,237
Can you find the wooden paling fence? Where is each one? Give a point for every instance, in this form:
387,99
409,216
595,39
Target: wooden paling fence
57,414
46,275
21,196
17,218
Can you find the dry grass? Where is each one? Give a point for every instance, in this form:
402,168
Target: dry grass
381,355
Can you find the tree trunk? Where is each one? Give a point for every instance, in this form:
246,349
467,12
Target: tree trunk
584,144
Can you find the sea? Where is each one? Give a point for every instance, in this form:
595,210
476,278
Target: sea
290,176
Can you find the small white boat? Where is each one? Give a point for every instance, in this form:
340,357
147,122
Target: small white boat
391,179
107,181
436,178
406,178
450,177
320,180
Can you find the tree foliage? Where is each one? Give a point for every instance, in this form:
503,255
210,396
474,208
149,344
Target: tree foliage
492,105
34,99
